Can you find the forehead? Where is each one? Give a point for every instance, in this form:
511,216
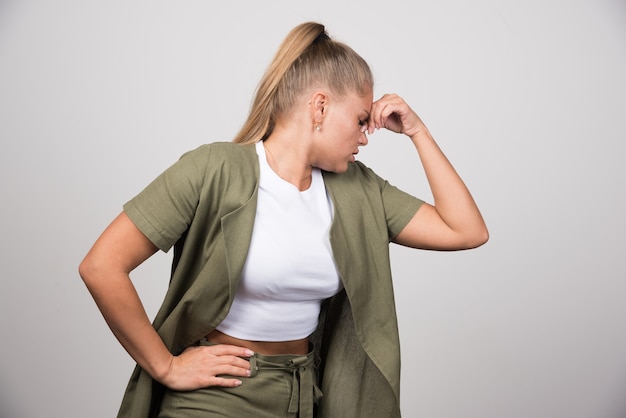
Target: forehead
362,102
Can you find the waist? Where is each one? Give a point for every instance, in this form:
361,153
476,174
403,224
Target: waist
300,346
260,317
274,368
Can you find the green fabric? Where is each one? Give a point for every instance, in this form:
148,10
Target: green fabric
204,205
279,386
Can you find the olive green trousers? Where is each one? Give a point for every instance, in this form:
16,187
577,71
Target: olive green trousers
279,386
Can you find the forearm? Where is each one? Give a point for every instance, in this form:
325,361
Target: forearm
123,311
105,270
195,368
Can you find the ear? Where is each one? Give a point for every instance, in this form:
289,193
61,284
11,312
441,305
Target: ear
318,107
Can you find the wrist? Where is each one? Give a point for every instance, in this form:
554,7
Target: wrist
161,371
420,136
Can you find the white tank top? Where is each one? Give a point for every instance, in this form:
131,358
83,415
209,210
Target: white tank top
290,267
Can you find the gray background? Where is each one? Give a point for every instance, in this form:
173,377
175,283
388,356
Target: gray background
527,98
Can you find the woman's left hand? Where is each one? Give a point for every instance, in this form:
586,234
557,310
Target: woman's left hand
393,113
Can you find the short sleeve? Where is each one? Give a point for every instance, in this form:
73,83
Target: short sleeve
165,208
400,207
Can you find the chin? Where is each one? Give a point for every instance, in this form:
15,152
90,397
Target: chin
341,169
338,168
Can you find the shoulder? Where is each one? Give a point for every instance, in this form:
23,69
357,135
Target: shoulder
362,171
224,150
219,156
358,174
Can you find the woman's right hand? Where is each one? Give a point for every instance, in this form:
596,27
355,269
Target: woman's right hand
202,366
105,270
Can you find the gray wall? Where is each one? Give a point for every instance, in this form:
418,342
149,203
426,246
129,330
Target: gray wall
527,98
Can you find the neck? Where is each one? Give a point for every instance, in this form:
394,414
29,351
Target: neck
288,161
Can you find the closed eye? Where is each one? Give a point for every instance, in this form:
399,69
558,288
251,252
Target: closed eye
365,120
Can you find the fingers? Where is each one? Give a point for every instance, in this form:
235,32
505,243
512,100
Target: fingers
382,109
227,359
393,113
202,366
225,382
223,375
227,349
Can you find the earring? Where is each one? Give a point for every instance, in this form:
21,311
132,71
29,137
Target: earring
318,127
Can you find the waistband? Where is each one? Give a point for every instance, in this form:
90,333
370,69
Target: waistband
305,392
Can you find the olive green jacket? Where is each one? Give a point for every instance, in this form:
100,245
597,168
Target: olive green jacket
204,205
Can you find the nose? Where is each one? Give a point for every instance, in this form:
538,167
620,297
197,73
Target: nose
363,139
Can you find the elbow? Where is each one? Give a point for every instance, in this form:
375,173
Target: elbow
484,238
471,239
93,273
84,270
87,270
479,238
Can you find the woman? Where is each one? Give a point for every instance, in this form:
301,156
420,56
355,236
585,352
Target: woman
281,280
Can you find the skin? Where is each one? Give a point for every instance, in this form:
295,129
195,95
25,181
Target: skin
452,222
342,123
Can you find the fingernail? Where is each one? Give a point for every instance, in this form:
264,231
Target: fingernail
249,353
238,383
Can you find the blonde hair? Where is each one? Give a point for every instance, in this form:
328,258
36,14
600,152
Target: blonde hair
306,57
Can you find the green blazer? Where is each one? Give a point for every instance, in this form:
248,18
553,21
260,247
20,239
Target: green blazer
204,205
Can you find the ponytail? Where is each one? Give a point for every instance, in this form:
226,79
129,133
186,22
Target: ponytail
306,56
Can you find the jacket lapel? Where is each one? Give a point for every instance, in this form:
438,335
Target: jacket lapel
237,229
